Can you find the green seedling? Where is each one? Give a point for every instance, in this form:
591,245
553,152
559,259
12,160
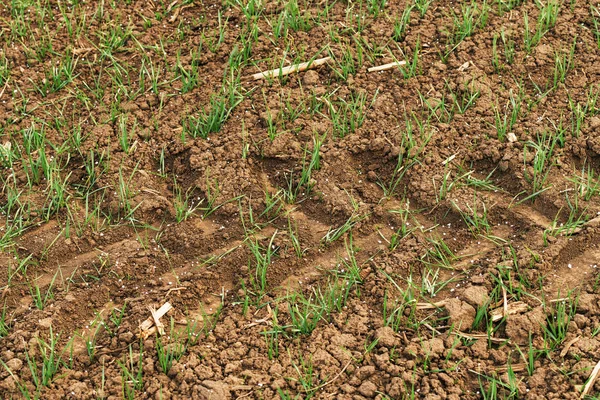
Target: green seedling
543,152
495,57
132,372
422,6
334,234
507,5
484,183
557,321
50,362
113,39
439,254
220,107
581,111
296,18
563,63
189,77
184,203
90,341
587,184
293,234
274,205
307,379
375,7
411,67
58,76
304,314
40,299
17,268
403,311
272,336
464,98
505,120
4,323
263,257
471,17
530,357
431,284
546,20
438,108
116,316
475,216
348,63
305,182
576,220
595,13
4,70
401,24
168,353
447,182
349,115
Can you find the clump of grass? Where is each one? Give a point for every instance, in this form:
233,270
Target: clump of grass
543,152
349,115
587,183
132,372
334,234
168,352
547,17
576,218
401,24
595,14
311,162
50,362
563,63
184,203
4,323
558,319
473,15
40,299
475,216
211,119
260,263
439,254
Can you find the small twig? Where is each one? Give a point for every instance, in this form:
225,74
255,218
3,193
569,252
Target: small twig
291,69
4,88
430,306
505,302
175,289
514,367
332,379
266,320
385,67
475,336
559,300
513,308
568,346
591,381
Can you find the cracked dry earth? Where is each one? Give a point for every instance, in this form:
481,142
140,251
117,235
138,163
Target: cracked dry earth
427,253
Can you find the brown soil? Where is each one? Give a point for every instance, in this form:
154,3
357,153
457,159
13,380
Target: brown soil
388,340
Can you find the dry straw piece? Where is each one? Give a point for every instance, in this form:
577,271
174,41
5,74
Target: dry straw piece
385,67
291,69
152,324
313,64
591,381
